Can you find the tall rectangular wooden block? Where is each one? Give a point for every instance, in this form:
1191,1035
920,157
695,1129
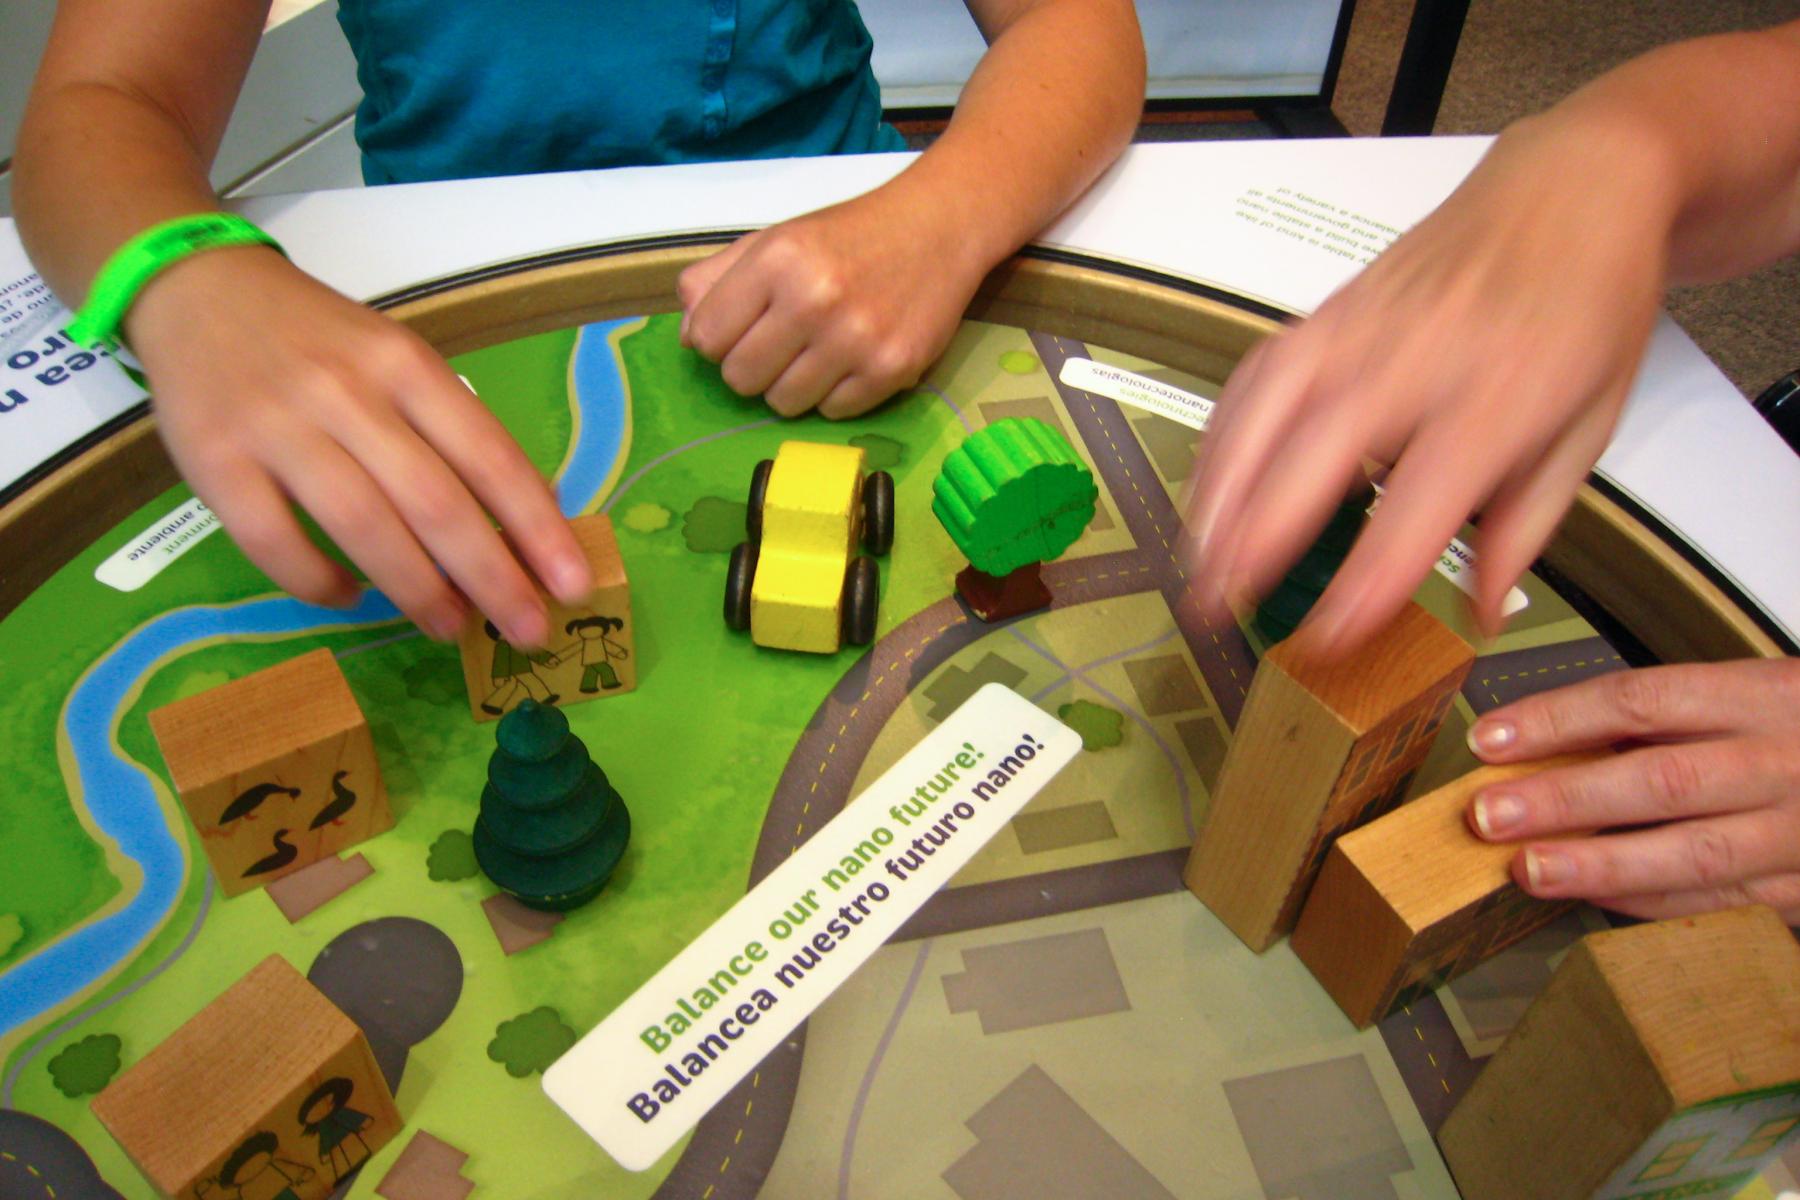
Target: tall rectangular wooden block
592,651
1320,748
269,1090
1414,899
1662,1060
277,770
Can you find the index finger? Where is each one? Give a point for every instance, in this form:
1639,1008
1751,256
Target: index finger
1654,703
471,439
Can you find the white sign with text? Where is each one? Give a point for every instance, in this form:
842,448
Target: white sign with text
648,1072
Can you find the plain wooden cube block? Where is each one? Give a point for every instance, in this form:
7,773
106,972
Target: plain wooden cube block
1662,1060
1319,748
1415,898
592,651
269,1087
277,770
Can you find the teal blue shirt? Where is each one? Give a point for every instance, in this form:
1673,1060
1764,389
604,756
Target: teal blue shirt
462,88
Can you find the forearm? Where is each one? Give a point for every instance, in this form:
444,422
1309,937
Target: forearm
1717,118
1050,106
124,117
94,169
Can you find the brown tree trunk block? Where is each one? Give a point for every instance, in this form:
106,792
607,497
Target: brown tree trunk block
1320,748
1662,1060
269,1087
593,645
998,597
277,770
1415,898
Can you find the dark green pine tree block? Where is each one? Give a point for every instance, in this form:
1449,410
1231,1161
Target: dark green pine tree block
562,882
1014,493
552,829
1287,605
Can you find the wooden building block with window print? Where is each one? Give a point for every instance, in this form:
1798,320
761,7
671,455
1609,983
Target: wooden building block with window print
270,1090
277,770
1662,1061
1319,748
1413,899
592,651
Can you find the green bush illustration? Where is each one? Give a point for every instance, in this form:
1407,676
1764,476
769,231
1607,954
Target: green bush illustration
12,932
531,1042
880,453
83,1068
1019,362
436,680
714,525
1100,727
452,857
647,518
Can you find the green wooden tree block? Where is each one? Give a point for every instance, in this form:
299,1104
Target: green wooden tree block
1012,494
552,828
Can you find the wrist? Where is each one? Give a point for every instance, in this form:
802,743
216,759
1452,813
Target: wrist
967,230
146,255
184,291
1623,151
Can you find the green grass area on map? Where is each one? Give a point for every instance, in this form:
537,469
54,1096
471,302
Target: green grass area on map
695,752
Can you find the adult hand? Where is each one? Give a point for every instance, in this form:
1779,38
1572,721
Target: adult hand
838,309
271,390
1703,810
1486,355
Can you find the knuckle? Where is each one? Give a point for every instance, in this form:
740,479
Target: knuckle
778,250
397,355
1642,698
823,291
890,366
737,377
1672,781
434,503
1711,858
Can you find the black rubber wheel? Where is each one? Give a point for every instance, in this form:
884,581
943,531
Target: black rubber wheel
878,512
1780,406
759,488
862,593
738,578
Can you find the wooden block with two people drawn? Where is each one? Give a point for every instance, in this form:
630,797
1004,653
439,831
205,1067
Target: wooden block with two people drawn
277,770
592,645
270,1090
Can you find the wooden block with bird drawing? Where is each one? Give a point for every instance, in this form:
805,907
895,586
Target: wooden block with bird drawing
277,770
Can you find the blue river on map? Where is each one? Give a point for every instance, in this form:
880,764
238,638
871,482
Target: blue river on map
118,792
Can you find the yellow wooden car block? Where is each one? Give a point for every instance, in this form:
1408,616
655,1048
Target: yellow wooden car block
809,530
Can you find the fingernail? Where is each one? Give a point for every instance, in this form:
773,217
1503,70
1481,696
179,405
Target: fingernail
570,579
1491,737
1496,814
683,336
1545,869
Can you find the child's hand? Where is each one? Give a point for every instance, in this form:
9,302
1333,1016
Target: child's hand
272,391
1709,799
1486,354
836,310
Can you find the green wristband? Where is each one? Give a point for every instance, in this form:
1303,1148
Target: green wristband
139,260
